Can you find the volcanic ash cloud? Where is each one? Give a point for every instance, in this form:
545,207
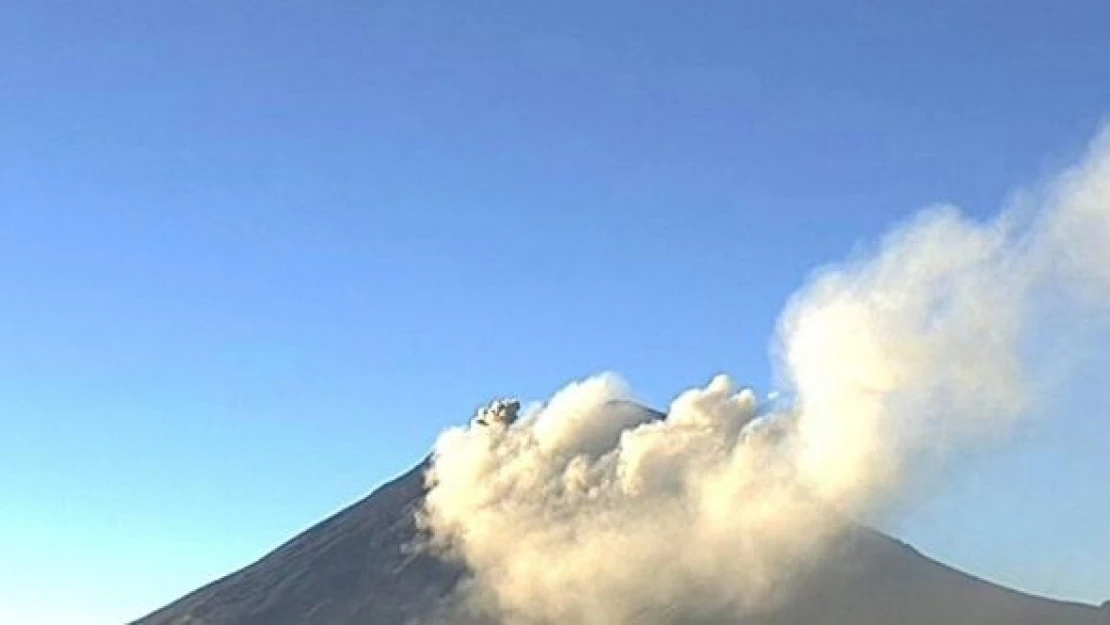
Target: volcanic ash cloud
590,509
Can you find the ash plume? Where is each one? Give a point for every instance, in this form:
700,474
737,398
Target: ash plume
590,509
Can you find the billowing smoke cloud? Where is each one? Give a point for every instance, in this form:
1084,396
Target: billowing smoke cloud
590,509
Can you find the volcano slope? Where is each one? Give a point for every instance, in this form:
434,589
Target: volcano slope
361,567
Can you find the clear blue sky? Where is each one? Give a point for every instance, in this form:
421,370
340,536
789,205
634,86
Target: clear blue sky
254,255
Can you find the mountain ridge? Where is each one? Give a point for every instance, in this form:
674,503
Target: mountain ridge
359,567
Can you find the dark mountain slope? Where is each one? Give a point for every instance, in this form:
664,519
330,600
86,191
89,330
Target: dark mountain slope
877,580
356,568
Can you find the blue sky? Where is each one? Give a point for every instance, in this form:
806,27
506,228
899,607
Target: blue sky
254,255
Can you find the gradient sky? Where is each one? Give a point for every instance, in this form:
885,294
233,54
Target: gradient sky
255,255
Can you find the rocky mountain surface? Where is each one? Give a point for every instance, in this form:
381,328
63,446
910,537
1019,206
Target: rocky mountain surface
358,567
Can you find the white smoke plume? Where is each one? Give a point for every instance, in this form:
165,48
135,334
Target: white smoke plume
589,509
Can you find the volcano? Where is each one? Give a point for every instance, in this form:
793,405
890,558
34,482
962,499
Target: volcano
360,567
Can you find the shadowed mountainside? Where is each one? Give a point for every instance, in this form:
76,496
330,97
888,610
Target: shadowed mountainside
358,568
354,567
